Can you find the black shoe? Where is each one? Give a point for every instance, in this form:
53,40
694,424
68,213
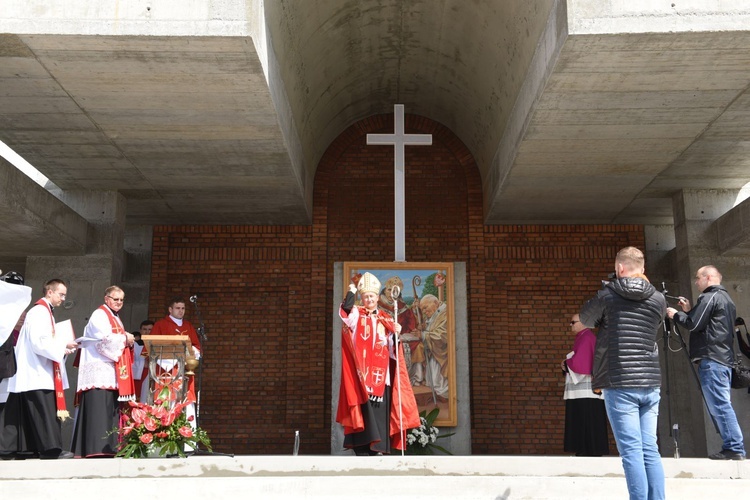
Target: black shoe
56,456
7,456
727,455
362,451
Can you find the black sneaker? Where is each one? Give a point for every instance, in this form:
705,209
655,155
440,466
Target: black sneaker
727,455
56,456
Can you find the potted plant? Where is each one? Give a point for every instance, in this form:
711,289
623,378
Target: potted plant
158,430
422,440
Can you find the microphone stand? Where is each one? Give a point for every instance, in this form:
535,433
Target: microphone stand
673,428
201,339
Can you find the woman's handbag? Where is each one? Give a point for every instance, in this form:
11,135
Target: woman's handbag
7,359
740,375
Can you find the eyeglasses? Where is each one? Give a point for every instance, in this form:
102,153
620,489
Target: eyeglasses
574,322
61,295
114,299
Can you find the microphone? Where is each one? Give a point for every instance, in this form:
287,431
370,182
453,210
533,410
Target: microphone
193,299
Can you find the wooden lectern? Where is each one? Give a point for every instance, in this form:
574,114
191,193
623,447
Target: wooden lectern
167,355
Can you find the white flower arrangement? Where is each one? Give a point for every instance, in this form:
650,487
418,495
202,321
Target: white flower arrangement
423,435
421,440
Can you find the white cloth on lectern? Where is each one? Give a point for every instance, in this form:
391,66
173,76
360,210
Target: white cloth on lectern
139,362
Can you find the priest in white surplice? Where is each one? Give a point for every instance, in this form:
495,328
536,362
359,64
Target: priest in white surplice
105,378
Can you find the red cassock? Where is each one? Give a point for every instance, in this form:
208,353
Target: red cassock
353,394
166,326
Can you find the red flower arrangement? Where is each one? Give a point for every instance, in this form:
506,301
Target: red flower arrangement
158,430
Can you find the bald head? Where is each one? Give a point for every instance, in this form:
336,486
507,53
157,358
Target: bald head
707,276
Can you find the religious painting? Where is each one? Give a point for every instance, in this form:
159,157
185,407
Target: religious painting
419,296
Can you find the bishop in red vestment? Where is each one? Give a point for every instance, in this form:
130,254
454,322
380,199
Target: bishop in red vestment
376,402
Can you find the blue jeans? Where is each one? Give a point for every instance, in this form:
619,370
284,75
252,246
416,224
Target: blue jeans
716,380
633,413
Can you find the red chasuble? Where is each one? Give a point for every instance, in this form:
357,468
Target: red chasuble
166,326
363,360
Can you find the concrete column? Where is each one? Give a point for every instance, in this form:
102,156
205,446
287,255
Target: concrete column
137,275
660,253
660,257
695,213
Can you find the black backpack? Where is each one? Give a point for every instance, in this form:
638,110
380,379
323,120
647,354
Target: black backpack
7,359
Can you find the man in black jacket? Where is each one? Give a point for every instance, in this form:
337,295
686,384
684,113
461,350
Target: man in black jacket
711,324
629,312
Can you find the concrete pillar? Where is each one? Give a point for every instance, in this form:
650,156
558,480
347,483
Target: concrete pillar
695,213
660,257
137,275
660,253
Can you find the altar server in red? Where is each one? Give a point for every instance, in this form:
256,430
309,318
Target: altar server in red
176,324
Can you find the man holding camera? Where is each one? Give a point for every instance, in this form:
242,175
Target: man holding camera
711,323
628,311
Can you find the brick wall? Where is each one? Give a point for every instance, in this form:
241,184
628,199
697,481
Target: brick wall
537,277
265,294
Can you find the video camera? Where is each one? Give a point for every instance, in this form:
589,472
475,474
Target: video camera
610,277
665,292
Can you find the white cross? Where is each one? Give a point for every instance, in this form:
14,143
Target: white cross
398,139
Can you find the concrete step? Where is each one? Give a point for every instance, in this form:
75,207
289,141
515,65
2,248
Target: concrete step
323,477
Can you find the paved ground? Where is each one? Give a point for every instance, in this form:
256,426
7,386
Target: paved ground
282,477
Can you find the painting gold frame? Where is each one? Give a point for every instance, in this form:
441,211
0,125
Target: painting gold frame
428,327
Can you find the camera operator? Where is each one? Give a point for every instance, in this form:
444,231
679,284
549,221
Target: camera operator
711,323
628,311
31,421
14,297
